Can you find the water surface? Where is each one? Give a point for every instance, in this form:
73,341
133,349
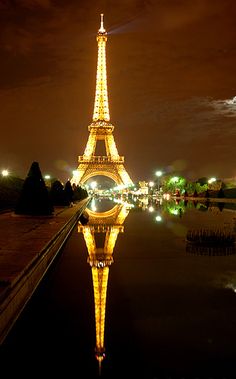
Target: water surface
170,312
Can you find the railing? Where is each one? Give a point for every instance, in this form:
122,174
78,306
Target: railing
101,159
103,228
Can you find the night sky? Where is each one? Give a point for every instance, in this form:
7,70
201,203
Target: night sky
171,68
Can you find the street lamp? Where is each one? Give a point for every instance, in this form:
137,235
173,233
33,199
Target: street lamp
151,184
5,172
93,185
48,180
175,179
211,180
158,174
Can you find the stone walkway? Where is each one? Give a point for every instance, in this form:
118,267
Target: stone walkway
23,239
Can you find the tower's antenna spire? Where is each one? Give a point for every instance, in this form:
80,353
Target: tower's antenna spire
101,109
102,29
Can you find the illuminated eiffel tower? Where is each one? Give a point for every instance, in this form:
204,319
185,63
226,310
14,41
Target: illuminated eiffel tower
100,259
112,164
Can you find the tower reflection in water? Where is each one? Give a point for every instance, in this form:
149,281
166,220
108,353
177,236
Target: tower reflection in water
109,224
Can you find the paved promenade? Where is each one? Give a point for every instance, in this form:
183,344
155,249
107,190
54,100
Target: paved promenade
24,242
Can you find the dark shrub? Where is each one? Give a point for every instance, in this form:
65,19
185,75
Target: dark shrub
34,198
221,193
68,192
57,193
79,193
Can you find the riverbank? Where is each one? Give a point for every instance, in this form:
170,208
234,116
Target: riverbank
204,199
28,246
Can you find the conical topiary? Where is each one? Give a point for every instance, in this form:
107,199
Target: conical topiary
68,192
57,194
34,198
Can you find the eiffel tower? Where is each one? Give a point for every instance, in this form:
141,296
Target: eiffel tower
109,223
112,164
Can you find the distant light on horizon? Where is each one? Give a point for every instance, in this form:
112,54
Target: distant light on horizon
211,180
93,185
174,179
5,172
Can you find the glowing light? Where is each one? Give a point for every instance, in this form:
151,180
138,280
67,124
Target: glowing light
100,258
93,205
174,179
231,101
102,30
120,187
151,209
211,180
166,196
47,177
158,218
5,172
174,211
231,286
75,173
158,174
93,185
101,129
151,184
124,203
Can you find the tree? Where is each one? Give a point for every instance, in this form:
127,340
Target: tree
79,193
221,193
173,184
202,180
200,188
34,197
185,193
57,193
68,192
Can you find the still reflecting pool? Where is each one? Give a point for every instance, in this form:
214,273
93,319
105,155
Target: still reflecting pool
132,295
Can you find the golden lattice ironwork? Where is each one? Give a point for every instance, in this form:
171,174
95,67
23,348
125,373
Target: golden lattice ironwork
100,258
112,164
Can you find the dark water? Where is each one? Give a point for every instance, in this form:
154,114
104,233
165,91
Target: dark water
170,308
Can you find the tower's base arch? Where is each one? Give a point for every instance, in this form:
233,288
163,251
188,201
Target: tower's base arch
97,166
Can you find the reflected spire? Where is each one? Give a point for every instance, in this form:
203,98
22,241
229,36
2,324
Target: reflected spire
100,259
